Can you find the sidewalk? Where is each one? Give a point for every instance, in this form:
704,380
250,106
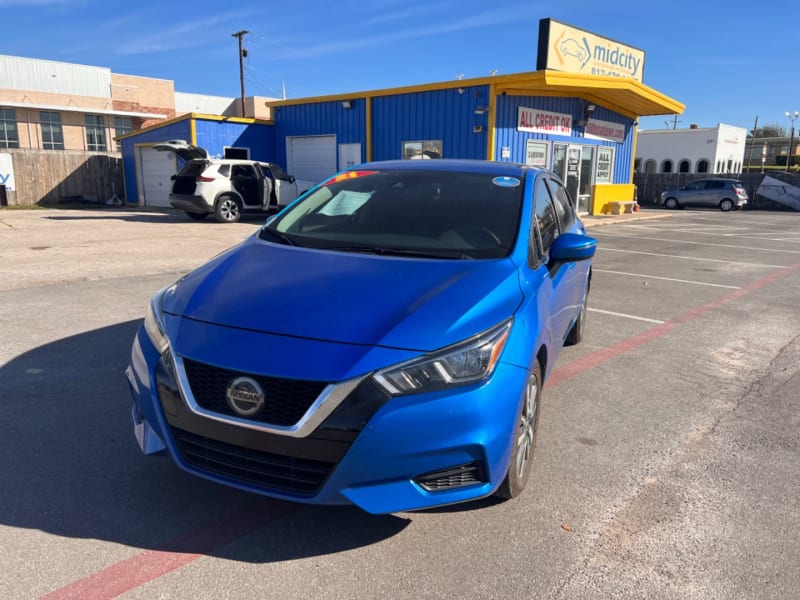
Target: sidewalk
595,220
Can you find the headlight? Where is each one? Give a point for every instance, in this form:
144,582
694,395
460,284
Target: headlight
154,323
467,362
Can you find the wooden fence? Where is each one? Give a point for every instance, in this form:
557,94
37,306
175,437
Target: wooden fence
50,177
650,186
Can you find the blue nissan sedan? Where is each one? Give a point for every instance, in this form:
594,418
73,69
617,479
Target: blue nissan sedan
383,341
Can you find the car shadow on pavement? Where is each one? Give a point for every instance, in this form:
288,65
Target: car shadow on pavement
170,218
70,467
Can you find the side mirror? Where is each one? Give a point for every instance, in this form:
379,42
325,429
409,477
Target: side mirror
291,178
572,247
172,177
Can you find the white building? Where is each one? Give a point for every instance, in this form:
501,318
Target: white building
694,150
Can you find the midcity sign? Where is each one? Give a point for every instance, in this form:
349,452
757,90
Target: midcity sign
566,48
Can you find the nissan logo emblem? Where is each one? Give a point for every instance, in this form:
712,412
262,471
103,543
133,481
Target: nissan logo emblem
245,396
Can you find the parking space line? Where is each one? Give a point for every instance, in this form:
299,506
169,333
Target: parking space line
719,285
624,316
148,565
716,260
653,239
600,357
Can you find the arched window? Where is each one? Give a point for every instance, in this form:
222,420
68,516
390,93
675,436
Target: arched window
666,166
702,166
684,166
650,166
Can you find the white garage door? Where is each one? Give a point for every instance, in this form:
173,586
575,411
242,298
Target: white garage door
311,159
155,170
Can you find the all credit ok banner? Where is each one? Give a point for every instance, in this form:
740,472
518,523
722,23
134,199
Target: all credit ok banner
542,121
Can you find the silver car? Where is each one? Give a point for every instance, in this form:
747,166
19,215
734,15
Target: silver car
725,194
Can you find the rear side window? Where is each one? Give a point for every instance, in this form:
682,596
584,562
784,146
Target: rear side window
715,185
225,170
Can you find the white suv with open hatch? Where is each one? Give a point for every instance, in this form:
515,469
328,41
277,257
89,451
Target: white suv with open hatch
226,187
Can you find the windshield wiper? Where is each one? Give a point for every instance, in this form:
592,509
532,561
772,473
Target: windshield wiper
384,251
281,237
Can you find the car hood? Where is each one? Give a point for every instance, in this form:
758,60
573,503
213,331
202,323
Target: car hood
394,302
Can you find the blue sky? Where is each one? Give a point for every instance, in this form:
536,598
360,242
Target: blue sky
728,62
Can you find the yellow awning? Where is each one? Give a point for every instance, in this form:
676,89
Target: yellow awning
625,96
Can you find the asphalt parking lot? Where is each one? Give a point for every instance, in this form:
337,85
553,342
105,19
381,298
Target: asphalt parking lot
666,465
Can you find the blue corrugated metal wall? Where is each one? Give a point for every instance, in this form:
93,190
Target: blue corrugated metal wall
448,115
507,135
181,130
321,118
215,135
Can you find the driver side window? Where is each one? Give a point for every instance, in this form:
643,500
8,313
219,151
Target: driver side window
544,229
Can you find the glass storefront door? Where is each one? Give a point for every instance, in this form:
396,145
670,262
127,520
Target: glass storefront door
585,179
574,164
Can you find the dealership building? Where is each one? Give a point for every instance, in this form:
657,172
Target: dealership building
576,114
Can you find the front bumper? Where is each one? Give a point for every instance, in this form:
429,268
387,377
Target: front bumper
382,454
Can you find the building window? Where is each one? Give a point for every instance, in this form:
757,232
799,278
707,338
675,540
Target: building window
684,166
9,137
95,132
52,133
650,166
702,166
422,149
122,125
666,166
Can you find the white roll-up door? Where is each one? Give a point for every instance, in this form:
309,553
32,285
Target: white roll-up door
155,170
311,159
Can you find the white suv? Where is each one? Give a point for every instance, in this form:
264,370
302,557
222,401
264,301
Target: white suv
224,186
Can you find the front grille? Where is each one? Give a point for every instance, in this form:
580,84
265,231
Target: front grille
455,477
287,400
268,471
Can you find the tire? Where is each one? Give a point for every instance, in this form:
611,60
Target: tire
726,205
228,209
671,203
196,216
524,439
575,334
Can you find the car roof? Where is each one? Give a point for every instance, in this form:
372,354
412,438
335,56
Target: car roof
449,164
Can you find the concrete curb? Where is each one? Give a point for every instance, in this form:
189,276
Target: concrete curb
596,220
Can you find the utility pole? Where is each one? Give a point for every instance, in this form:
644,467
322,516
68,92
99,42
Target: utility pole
752,143
242,54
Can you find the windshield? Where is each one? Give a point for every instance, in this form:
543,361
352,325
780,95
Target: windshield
441,214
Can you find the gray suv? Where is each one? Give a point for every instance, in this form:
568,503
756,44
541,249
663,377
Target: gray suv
725,194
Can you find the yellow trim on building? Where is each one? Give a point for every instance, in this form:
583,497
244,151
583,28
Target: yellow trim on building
197,116
625,96
368,129
633,149
193,132
491,123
